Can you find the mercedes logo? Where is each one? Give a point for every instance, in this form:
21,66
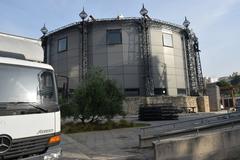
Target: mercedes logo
5,143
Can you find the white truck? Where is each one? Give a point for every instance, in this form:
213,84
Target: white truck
29,110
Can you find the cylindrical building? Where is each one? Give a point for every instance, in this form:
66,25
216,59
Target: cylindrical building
144,56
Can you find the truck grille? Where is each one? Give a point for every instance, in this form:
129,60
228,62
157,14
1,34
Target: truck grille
22,148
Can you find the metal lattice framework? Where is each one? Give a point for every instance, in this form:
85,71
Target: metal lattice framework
83,15
84,50
146,57
193,63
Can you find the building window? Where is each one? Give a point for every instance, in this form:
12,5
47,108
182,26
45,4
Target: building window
62,44
181,91
167,40
131,91
160,91
114,36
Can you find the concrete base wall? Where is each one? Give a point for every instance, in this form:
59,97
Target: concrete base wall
132,104
203,104
217,146
214,97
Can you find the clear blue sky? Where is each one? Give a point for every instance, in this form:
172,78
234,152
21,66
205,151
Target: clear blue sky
216,22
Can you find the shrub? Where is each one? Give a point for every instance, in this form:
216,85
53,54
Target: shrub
95,98
65,110
108,125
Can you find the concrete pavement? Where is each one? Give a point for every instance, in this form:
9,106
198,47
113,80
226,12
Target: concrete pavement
117,144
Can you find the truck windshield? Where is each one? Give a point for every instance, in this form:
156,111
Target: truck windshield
25,84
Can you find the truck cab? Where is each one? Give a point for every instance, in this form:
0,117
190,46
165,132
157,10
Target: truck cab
29,110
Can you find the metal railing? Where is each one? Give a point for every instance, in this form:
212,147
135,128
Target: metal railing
193,126
187,124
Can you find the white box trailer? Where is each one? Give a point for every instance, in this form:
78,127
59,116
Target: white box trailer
29,110
28,48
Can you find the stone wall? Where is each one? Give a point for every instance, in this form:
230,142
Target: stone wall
214,97
203,104
132,104
221,146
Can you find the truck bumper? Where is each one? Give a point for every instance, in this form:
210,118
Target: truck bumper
52,153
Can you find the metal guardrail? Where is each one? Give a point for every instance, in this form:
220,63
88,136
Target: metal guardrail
187,123
154,132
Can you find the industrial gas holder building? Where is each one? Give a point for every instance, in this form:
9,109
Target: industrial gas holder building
145,56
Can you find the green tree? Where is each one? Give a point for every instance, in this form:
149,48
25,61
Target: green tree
64,106
114,100
96,98
224,83
235,80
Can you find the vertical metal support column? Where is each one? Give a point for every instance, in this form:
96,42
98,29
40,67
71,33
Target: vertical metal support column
45,45
185,64
199,71
84,50
146,54
193,61
83,15
149,84
191,64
